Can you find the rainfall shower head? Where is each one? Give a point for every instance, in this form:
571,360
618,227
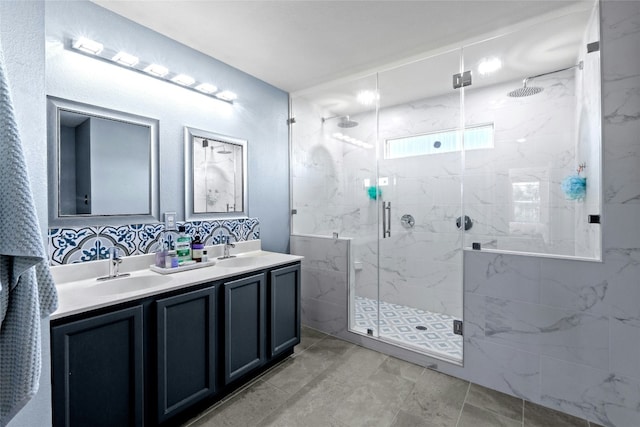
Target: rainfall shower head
344,122
223,150
525,91
532,90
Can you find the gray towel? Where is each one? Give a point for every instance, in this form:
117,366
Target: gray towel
27,290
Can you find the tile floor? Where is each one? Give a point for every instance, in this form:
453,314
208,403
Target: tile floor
330,382
398,322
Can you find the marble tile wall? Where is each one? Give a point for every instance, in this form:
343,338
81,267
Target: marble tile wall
71,245
325,278
567,331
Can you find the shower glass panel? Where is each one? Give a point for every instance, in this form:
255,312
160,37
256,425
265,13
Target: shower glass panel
334,175
333,159
524,192
392,184
420,178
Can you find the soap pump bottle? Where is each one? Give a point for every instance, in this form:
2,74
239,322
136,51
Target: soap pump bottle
197,247
161,253
183,245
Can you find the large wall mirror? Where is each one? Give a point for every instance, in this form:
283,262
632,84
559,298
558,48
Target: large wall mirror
103,165
216,175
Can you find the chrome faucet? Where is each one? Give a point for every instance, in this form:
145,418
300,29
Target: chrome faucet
114,265
227,246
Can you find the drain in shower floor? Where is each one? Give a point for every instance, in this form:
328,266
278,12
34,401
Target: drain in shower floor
421,328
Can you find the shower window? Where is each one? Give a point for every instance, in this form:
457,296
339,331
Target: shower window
448,141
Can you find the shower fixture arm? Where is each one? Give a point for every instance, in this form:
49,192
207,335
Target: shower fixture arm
579,65
324,119
345,121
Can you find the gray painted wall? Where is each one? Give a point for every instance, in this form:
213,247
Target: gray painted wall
22,38
259,115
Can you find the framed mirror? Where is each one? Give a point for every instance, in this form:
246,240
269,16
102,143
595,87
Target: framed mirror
215,175
103,165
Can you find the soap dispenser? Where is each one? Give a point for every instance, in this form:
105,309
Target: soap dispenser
197,247
161,253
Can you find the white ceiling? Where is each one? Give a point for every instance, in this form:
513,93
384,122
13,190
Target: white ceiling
295,45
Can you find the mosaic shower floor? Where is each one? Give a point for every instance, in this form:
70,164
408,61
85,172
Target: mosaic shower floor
405,325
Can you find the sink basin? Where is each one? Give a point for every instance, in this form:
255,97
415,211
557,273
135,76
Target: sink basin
128,284
246,261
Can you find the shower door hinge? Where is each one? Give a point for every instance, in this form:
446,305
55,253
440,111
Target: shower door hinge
462,79
291,120
593,47
457,327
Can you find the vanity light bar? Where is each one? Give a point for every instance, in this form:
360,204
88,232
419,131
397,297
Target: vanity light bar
226,95
87,45
207,88
126,59
183,79
156,70
97,50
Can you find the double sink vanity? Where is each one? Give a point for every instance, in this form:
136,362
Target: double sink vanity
148,348
154,349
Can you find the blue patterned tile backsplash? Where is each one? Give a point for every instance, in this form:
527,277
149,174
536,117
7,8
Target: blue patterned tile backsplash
72,245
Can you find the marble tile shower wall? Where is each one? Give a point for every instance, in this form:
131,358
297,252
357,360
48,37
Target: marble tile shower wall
421,266
325,278
73,245
565,333
547,156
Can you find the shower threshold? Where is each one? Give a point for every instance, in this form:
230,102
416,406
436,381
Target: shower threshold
417,329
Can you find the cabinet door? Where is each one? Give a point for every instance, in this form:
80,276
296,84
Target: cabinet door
98,370
244,326
284,309
186,336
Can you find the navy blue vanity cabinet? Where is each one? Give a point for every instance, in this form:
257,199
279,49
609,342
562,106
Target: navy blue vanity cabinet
97,370
244,326
186,350
284,309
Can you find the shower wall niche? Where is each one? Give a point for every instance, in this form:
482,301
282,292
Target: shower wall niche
432,170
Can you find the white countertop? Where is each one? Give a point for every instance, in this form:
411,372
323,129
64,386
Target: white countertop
79,290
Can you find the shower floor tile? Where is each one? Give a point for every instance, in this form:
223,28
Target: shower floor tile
399,323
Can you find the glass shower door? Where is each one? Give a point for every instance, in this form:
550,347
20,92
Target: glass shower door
333,179
420,178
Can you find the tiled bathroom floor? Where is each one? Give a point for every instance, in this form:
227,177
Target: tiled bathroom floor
330,382
398,323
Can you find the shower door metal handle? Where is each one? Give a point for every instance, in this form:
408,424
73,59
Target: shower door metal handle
386,219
